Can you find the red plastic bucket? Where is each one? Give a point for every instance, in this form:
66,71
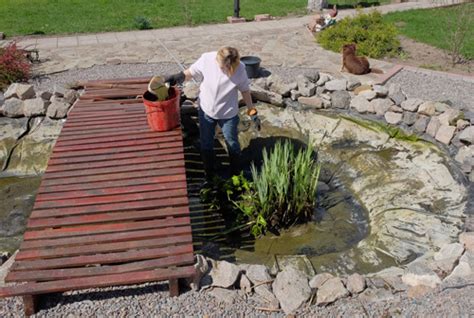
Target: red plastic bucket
163,115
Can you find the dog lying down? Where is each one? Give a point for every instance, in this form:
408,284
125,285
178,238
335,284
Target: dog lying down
354,64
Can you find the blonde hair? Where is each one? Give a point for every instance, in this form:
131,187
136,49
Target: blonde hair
229,58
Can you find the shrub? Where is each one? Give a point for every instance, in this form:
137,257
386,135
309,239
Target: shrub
14,66
143,23
374,37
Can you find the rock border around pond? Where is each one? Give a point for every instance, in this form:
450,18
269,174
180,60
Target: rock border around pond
291,289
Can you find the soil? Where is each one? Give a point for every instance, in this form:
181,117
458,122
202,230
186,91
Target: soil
426,56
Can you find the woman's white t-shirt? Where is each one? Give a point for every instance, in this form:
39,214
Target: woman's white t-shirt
218,95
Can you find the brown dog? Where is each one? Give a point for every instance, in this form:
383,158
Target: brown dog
355,64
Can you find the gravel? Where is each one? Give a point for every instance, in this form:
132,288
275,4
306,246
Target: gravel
436,87
151,300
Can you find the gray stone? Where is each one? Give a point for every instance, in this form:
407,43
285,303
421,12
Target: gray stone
389,272
266,96
291,289
35,107
305,87
245,284
20,91
57,109
450,117
299,262
395,94
5,269
259,276
464,152
355,283
396,109
45,95
395,283
361,104
312,76
59,91
393,118
380,90
352,83
381,105
318,280
294,94
260,82
224,295
409,118
323,78
312,102
330,291
340,99
201,268
13,108
71,96
323,187
369,95
421,123
461,124
465,267
224,274
375,295
427,108
467,135
320,90
441,107
420,274
433,127
336,85
276,85
411,104
445,134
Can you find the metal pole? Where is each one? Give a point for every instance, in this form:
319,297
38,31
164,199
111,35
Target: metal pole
236,8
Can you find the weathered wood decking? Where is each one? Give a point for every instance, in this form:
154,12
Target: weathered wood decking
113,202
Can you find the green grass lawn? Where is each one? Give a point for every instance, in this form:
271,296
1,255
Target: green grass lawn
431,26
22,17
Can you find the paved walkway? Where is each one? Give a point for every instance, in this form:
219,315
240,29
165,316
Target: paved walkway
281,42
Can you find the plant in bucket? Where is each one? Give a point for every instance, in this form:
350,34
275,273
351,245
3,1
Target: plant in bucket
162,105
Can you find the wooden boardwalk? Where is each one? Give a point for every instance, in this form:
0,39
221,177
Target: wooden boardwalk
112,208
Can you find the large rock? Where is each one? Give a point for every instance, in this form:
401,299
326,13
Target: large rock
312,102
409,118
411,104
465,268
277,85
381,105
58,109
291,289
393,118
266,96
420,274
318,280
445,133
433,126
305,87
427,108
336,85
355,283
421,123
467,135
396,94
10,130
201,268
35,107
450,117
369,95
451,251
341,99
224,274
380,90
467,239
260,278
361,104
13,108
224,295
330,291
20,91
70,96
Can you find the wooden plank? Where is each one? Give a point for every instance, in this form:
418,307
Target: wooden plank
174,287
122,236
99,281
111,207
128,167
37,223
106,228
174,167
68,273
77,140
123,155
85,167
110,191
111,153
177,176
105,118
30,304
99,247
109,258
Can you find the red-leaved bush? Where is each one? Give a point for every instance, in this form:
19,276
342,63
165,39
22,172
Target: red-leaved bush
14,66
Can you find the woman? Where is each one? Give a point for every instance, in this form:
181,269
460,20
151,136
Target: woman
223,76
